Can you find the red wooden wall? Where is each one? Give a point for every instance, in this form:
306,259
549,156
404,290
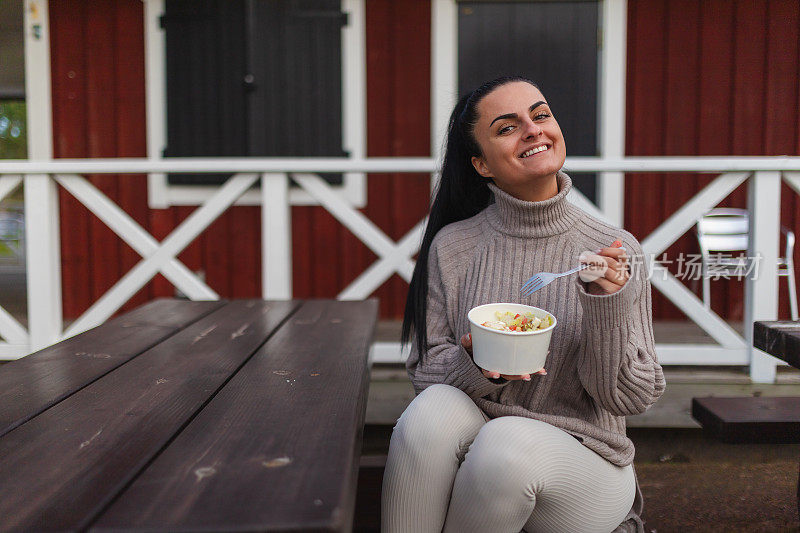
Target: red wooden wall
99,111
97,57
717,77
398,124
704,78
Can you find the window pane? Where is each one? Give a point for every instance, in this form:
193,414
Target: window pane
13,145
12,50
13,138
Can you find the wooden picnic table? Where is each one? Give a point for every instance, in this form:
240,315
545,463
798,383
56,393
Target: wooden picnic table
180,415
780,339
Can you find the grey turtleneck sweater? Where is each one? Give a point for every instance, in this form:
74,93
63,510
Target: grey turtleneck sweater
602,363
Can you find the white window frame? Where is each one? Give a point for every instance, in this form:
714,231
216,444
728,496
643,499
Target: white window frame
161,194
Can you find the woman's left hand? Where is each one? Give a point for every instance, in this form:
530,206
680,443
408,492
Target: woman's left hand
609,269
466,342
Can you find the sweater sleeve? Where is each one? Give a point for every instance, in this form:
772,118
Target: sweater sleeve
445,361
617,362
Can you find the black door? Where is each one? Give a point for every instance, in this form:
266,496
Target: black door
554,43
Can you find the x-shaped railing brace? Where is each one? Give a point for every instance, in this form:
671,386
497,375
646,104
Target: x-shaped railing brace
155,258
394,257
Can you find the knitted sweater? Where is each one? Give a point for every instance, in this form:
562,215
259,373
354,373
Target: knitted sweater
602,363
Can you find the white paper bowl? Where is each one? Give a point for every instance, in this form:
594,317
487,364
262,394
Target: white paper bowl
509,352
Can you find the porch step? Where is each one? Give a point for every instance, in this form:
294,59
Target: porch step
688,479
750,419
391,391
368,495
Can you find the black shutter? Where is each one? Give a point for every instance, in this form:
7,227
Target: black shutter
206,63
253,78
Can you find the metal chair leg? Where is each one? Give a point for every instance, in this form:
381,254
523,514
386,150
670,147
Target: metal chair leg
706,290
792,290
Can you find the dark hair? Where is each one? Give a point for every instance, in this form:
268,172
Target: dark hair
460,194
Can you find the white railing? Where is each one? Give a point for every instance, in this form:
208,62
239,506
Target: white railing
42,178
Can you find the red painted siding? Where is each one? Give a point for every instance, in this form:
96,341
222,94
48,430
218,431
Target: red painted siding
327,257
99,111
709,78
704,78
398,112
68,44
94,116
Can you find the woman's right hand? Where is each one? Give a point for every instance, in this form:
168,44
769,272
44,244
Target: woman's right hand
466,342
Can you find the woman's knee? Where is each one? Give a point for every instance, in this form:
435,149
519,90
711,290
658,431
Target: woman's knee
440,416
501,439
514,444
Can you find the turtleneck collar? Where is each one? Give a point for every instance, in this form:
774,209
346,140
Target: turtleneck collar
520,218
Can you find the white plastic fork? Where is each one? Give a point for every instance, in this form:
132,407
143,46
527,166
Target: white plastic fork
542,279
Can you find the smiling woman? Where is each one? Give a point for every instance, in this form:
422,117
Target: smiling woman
522,147
477,450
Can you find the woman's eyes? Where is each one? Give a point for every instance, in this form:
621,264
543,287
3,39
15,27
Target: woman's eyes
510,127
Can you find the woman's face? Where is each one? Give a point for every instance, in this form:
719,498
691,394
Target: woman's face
521,142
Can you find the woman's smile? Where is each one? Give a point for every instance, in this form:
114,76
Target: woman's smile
533,151
522,147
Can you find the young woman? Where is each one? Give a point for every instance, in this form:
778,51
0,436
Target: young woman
478,451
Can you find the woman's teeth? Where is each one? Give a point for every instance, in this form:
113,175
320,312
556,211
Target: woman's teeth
534,151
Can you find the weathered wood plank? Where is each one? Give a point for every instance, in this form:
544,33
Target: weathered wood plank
750,419
276,449
33,383
60,469
780,339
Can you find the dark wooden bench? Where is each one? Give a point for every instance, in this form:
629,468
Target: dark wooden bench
758,419
242,415
752,419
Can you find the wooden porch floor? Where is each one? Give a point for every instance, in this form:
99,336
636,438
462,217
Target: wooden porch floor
391,391
672,331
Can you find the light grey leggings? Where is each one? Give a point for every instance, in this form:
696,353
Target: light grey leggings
518,474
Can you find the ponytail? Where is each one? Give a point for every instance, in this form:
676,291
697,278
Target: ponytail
460,194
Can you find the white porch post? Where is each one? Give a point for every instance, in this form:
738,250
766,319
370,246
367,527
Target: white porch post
444,72
276,237
613,65
761,290
43,261
42,242
155,94
354,101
